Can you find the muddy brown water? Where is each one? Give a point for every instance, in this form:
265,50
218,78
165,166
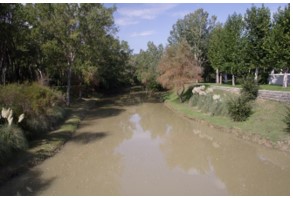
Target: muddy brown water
143,148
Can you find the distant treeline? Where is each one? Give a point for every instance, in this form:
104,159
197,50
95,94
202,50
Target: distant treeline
252,44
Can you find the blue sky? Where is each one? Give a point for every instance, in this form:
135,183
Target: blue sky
139,23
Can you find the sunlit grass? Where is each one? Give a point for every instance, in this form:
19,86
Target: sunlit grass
266,120
261,87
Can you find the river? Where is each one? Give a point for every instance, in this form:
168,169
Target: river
143,148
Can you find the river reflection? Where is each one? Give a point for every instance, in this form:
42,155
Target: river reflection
146,171
168,155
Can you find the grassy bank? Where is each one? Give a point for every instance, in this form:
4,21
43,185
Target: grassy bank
46,145
264,126
261,87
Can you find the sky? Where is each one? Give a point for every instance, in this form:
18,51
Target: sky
139,23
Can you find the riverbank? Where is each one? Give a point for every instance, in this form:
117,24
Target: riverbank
47,145
265,126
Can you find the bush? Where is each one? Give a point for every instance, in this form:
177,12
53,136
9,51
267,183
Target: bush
249,89
11,140
239,109
41,105
209,104
187,94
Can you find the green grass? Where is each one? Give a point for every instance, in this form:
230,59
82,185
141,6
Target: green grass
266,120
274,88
261,87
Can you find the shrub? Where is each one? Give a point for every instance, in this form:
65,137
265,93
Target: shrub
249,89
11,140
187,94
239,109
212,103
41,106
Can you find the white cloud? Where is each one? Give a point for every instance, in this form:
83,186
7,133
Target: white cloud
132,15
180,14
126,21
145,33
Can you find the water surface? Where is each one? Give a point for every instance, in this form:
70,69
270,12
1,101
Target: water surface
145,149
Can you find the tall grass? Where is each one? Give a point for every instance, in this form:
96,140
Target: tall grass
41,105
11,140
211,102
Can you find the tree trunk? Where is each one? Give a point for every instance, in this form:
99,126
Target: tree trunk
233,80
217,76
221,77
285,79
225,78
41,77
70,61
256,74
80,91
68,85
4,75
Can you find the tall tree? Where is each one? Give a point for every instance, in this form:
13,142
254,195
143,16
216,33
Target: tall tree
75,40
278,43
233,38
216,50
257,24
146,63
16,51
178,67
195,29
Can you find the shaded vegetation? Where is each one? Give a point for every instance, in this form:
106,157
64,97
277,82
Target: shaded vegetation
249,89
11,140
41,105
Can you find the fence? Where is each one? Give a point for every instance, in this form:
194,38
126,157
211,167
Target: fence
277,79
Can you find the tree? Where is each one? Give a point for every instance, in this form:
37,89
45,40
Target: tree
257,25
76,42
16,50
146,63
195,29
178,67
278,43
216,50
60,23
233,48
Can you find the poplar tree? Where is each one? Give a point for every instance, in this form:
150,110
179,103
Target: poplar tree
257,25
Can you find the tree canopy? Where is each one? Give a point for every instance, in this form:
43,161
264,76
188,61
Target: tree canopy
178,67
62,44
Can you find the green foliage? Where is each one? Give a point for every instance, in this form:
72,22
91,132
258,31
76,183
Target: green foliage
195,28
11,140
233,44
187,94
62,44
41,106
216,48
257,25
278,43
239,109
208,104
249,89
146,63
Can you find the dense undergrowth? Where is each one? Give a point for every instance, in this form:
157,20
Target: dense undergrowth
43,111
